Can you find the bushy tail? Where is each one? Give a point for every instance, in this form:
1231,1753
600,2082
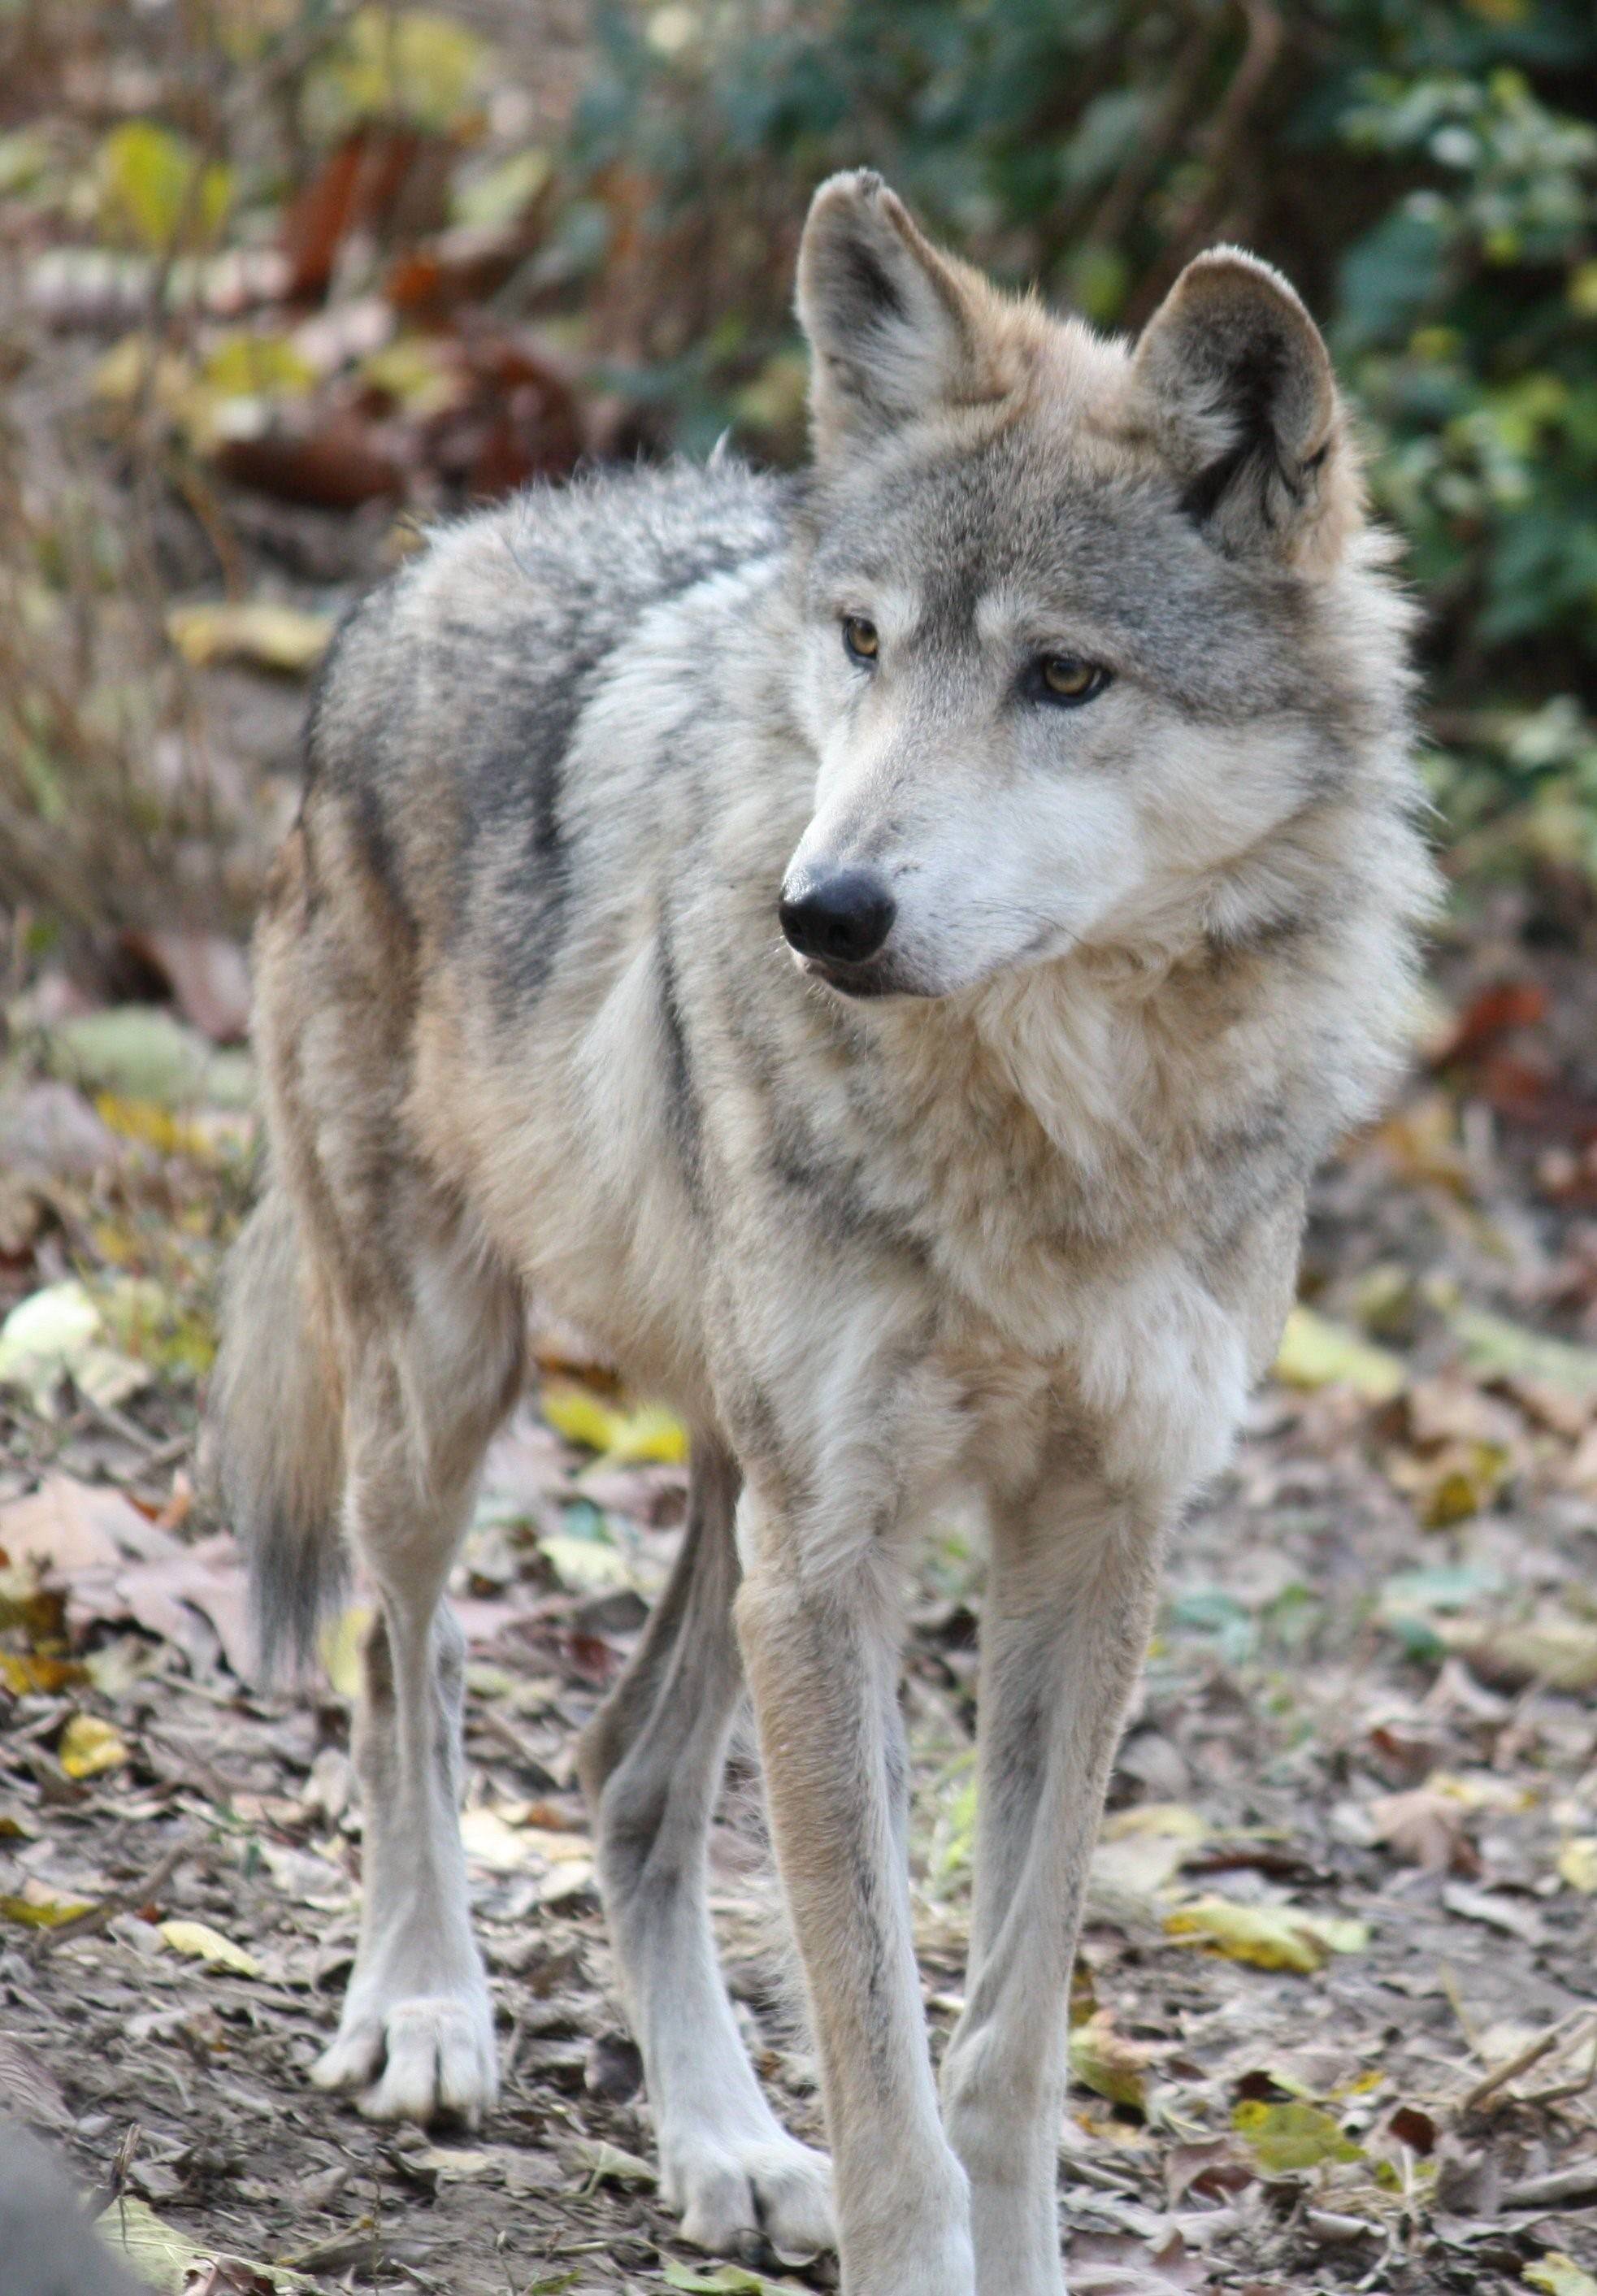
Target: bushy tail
273,1440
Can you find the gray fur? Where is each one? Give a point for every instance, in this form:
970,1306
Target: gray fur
1011,1204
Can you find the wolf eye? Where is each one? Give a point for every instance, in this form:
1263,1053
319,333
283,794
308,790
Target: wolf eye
1063,677
861,640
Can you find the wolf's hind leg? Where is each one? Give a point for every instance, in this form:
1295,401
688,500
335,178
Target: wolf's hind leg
425,1391
652,1761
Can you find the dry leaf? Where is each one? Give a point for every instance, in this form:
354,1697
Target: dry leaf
89,1747
1317,1352
1284,2137
1427,1828
1577,1863
200,1942
255,630
1270,1937
1558,2275
1110,2064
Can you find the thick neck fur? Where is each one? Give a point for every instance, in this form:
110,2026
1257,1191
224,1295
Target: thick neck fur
1129,1082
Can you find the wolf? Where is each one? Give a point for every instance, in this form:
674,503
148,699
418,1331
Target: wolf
883,952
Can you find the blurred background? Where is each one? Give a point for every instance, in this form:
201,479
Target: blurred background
281,281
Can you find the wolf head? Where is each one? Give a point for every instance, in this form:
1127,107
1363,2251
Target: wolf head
1084,624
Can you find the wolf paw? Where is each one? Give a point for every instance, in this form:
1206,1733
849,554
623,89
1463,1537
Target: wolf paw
731,2192
426,2059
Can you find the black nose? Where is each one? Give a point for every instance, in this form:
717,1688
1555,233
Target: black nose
843,916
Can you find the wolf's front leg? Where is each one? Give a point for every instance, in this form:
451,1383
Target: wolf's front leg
1069,1606
650,1762
821,1648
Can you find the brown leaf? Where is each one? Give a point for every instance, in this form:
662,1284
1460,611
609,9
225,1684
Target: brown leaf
1507,1004
1426,1828
337,465
69,1527
1115,2264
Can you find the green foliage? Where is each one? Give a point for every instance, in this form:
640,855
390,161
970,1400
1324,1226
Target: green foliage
1426,169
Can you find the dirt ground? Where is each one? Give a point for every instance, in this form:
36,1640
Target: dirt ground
1362,1762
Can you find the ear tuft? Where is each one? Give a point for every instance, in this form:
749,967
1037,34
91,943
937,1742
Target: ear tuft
1245,405
894,325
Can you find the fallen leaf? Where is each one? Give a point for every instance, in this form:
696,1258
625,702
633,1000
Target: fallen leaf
1577,1863
1284,2137
339,1647
58,1333
157,2254
257,630
90,1747
491,1841
1496,1911
1427,1828
200,1942
1558,2275
1494,1348
141,1052
1105,2061
158,190
631,1438
725,2280
608,2164
1555,1649
1270,1937
1115,2264
1317,1352
38,1908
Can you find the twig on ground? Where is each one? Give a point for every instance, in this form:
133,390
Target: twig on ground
1556,2037
125,1900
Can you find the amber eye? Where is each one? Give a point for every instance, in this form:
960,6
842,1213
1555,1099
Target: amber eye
861,642
1064,679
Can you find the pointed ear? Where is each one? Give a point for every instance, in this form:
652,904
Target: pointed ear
895,327
1243,401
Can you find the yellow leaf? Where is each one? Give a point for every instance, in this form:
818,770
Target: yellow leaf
32,1673
1167,1820
151,1125
255,630
338,1648
1577,1863
200,1942
1558,2275
577,1414
1289,2136
1270,1937
37,1909
157,188
1317,1352
629,1437
1106,2061
651,1433
88,1747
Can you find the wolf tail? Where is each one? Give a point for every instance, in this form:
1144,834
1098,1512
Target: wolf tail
275,1441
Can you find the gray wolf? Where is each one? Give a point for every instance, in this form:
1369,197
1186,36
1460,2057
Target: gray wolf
883,953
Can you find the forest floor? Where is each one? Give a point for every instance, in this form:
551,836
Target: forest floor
1337,2019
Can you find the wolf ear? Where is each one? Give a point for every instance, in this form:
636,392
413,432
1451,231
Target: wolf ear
892,324
1245,406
